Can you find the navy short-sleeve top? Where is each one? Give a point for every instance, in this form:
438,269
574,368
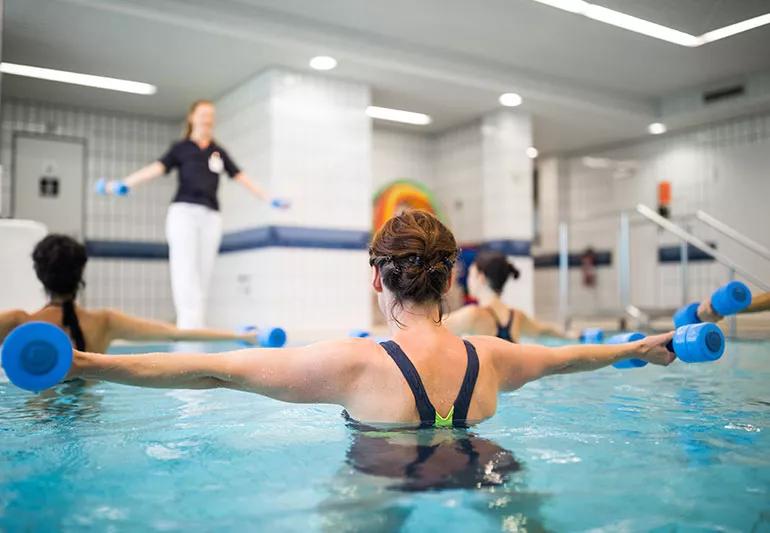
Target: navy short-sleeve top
199,170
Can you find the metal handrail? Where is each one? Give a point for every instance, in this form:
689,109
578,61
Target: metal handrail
733,234
691,239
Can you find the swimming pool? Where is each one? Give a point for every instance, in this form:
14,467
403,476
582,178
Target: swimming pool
681,448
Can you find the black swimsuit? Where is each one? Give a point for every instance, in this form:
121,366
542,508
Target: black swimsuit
503,331
429,417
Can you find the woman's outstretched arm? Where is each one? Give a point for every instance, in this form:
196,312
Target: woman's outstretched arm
325,372
147,173
127,327
517,364
530,326
9,320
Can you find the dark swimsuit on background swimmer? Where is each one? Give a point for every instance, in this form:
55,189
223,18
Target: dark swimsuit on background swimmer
503,331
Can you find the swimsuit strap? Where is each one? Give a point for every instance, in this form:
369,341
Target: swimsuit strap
463,401
429,417
503,331
424,407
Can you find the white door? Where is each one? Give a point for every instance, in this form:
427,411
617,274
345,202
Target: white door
48,178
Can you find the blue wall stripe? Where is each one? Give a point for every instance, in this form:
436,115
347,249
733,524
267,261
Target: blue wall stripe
515,247
603,258
673,254
666,254
295,237
127,250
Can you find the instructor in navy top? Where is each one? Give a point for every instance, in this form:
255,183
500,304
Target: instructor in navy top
193,224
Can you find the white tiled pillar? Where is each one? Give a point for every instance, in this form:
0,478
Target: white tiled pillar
307,138
507,212
484,179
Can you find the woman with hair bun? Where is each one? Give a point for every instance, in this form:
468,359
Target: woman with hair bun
487,276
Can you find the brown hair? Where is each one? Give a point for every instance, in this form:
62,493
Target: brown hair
496,268
415,253
193,107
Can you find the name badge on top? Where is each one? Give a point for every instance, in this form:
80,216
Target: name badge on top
216,164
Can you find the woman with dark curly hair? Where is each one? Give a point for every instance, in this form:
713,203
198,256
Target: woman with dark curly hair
59,264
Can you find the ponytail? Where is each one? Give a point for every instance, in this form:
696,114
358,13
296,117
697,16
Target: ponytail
70,321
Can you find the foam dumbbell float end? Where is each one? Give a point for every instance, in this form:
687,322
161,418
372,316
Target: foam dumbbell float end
592,336
36,356
731,298
698,343
280,203
687,315
623,338
270,337
102,188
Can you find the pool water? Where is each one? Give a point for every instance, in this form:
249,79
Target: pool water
682,448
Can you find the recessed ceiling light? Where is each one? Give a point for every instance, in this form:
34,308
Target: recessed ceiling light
323,63
532,152
656,128
398,115
652,29
510,99
75,78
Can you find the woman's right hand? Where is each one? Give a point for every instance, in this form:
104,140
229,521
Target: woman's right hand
654,349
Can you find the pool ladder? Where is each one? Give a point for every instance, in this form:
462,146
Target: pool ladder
626,309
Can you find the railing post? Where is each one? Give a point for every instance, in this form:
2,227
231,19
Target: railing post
683,251
563,273
732,321
624,261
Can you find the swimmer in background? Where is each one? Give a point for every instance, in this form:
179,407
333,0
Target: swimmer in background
444,381
59,264
487,276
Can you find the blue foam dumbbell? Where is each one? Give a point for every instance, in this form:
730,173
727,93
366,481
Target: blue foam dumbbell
693,343
623,338
271,337
119,189
359,333
280,203
592,336
36,356
728,299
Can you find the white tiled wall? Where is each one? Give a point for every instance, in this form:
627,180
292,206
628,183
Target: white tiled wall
299,289
116,145
402,155
721,169
306,137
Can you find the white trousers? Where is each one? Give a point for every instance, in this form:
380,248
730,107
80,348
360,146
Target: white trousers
194,233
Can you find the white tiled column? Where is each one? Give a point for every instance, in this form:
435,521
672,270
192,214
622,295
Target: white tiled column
507,193
305,137
484,178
